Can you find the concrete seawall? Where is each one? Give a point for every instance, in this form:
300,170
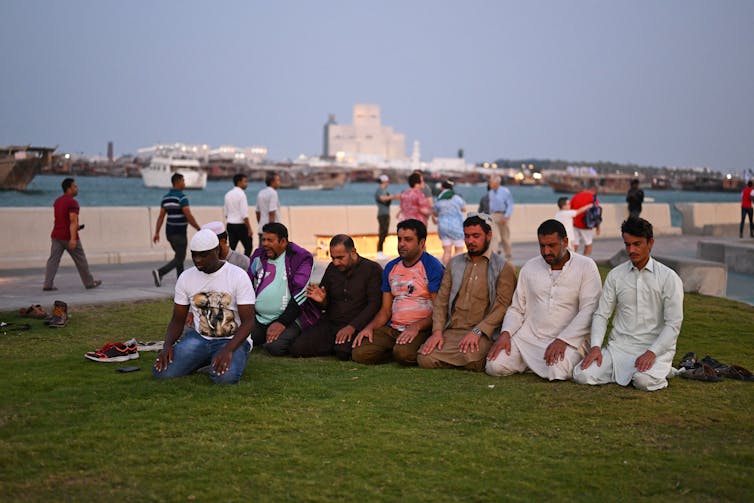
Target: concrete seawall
117,235
710,219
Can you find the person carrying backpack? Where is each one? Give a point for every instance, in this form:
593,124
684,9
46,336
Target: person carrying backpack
584,231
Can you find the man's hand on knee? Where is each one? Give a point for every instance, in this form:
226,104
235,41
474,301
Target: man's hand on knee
502,343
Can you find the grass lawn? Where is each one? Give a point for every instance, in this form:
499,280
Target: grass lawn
323,430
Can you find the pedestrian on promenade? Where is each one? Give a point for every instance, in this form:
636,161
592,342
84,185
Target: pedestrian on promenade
175,205
383,199
581,232
65,237
501,206
448,215
747,198
267,203
565,216
236,209
414,203
484,201
634,198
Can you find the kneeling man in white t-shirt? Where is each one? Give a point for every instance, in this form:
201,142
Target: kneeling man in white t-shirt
221,299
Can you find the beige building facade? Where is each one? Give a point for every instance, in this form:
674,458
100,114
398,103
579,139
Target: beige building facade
366,138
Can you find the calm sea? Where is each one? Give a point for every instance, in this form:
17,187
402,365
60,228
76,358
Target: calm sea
115,191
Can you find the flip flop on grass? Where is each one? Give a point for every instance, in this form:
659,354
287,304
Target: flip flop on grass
703,373
736,372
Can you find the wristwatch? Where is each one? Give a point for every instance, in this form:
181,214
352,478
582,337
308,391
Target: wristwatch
477,331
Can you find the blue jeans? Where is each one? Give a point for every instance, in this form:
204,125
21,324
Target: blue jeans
193,351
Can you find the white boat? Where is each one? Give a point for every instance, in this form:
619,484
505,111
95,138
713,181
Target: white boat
161,169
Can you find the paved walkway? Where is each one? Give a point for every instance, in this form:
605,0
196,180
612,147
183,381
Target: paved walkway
133,282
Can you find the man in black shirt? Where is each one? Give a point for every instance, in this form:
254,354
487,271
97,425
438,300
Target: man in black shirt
634,198
350,296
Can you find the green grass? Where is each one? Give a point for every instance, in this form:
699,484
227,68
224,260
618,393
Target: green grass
323,430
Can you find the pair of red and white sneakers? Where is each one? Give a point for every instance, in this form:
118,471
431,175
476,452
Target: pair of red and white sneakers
115,352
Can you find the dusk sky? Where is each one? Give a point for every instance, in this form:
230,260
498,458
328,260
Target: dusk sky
650,82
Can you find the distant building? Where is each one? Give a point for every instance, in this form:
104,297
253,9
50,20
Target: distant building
365,139
243,155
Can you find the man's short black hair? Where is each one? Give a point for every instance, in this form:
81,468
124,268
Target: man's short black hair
415,225
562,202
67,184
270,177
276,228
174,179
343,239
638,227
237,178
477,220
414,179
552,226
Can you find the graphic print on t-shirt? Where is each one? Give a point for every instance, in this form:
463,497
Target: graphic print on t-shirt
215,316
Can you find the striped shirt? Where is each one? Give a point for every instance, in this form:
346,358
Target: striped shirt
174,202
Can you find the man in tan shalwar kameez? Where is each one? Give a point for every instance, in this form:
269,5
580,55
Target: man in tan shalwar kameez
476,289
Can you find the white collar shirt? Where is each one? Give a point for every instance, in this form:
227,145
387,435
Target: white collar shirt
236,206
648,305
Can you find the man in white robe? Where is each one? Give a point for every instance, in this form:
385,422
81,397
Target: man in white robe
647,297
545,328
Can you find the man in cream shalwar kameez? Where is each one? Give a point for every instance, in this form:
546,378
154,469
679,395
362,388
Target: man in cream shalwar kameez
546,326
648,299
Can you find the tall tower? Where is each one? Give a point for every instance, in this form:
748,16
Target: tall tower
416,156
326,139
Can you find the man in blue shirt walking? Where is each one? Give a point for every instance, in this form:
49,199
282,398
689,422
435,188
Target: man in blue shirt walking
175,205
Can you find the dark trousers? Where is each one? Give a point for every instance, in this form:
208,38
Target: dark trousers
384,223
178,242
744,213
319,340
280,346
236,233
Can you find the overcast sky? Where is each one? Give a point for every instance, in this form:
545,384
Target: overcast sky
650,82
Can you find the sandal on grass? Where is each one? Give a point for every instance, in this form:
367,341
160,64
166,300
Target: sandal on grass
714,363
688,362
703,373
737,372
33,311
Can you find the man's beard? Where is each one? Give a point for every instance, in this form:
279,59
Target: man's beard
483,250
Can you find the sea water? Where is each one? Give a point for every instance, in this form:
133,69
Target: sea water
119,191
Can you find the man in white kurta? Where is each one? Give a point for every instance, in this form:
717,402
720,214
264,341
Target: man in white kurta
545,328
647,297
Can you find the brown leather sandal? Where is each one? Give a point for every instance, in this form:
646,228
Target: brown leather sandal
703,373
34,311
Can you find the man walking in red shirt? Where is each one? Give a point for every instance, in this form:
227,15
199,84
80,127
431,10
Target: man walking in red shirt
65,237
582,233
747,195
